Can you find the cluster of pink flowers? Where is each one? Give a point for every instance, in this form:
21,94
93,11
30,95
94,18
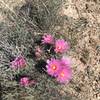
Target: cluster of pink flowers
60,68
18,63
60,45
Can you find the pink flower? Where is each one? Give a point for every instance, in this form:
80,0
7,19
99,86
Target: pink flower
64,75
61,46
53,67
25,81
19,62
48,38
65,61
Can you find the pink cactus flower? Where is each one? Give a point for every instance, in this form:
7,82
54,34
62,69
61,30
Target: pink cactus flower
19,62
53,67
61,46
65,61
25,81
64,75
48,38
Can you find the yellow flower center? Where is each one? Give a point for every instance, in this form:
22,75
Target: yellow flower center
62,74
54,67
59,47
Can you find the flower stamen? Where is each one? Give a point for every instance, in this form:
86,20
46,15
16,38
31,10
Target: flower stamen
62,74
54,67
